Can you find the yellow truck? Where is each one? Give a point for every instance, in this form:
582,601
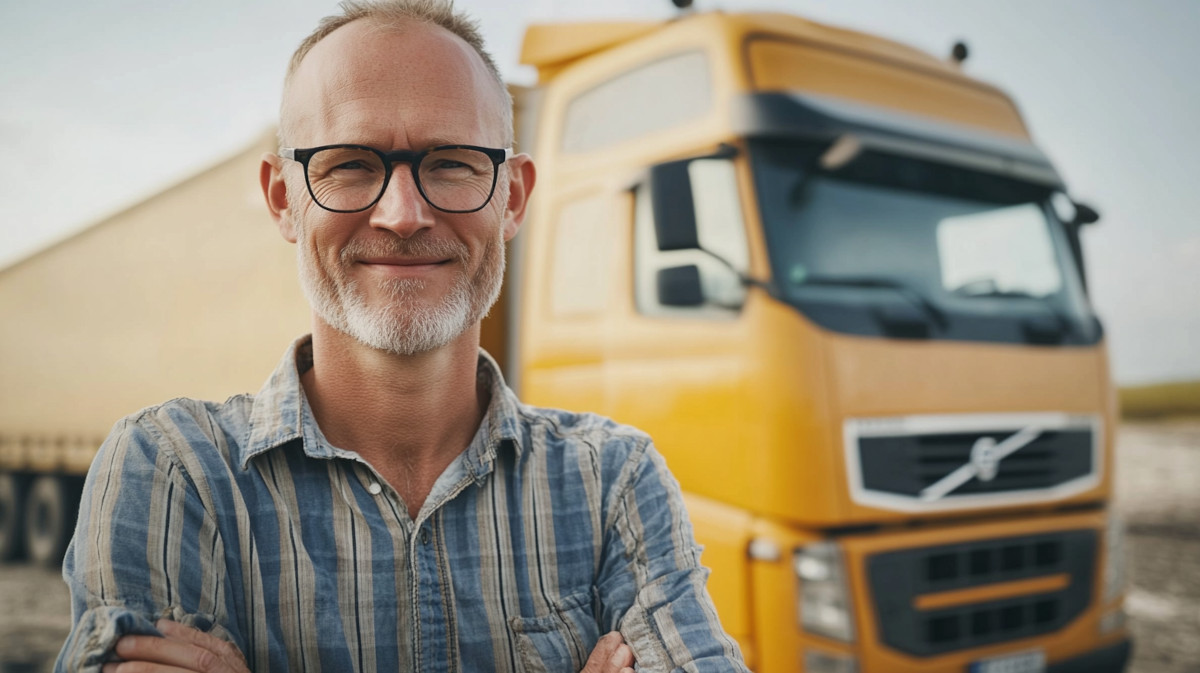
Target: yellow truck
830,274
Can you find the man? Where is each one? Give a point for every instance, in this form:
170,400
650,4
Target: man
385,502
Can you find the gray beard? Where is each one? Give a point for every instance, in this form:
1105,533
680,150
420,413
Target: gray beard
405,326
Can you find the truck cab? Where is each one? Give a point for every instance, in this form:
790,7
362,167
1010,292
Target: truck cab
836,281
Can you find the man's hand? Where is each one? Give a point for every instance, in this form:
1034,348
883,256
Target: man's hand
181,649
611,655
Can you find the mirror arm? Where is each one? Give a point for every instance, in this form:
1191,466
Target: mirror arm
744,278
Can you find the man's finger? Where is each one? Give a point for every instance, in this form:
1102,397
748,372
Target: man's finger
610,655
171,654
621,660
227,651
141,667
156,650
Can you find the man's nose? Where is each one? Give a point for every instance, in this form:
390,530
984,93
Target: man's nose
401,209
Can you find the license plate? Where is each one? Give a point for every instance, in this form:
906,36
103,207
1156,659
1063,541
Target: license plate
1025,662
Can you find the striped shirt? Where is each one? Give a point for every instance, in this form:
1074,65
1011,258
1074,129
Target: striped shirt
239,518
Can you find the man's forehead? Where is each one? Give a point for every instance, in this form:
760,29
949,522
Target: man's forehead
364,63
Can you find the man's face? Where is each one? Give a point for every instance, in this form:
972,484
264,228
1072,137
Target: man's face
400,276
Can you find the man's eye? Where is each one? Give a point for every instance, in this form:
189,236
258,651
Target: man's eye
352,166
449,165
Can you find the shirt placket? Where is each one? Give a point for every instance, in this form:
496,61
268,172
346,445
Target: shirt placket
433,599
410,640
428,612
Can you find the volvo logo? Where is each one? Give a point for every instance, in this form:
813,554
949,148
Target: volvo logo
983,464
984,460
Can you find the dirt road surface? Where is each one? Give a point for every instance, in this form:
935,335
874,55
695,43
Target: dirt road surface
1158,492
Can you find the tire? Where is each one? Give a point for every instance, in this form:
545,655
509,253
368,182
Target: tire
12,516
50,510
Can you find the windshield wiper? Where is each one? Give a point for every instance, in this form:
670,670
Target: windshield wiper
1035,331
907,290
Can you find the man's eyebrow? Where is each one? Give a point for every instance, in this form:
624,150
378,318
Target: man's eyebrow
438,142
416,147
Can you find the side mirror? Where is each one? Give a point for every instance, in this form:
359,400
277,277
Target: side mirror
680,286
1085,214
673,207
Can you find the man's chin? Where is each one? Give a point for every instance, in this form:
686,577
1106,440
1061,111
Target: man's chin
410,332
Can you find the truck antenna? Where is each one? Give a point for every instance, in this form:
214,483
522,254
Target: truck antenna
959,52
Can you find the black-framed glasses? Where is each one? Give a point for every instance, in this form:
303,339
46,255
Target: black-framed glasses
352,178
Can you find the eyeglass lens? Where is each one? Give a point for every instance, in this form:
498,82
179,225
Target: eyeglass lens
349,179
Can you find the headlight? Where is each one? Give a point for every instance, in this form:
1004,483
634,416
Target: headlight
1114,557
820,662
824,601
1113,620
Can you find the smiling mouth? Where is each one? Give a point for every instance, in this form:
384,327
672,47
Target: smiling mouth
405,262
405,268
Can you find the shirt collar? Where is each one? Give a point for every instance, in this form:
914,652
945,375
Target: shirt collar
501,424
280,414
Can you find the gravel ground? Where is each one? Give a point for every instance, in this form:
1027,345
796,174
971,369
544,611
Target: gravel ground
1158,471
35,616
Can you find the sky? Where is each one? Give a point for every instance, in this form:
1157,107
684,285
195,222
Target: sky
103,104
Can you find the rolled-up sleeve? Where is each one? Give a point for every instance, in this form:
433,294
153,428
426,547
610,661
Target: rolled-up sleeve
144,548
651,584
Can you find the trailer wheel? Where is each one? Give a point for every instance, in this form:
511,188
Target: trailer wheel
50,511
12,516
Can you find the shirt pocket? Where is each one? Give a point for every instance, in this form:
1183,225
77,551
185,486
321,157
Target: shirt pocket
559,641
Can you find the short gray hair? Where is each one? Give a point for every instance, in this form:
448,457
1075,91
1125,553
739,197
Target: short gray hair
393,13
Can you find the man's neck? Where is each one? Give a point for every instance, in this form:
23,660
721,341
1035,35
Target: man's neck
408,416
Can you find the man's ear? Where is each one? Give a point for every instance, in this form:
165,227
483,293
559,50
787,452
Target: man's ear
270,175
520,185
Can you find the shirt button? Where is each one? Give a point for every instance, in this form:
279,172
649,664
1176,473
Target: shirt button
374,488
424,536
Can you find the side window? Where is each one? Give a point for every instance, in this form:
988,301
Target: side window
583,258
721,230
652,98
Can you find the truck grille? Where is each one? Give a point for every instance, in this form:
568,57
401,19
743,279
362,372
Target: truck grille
898,578
896,463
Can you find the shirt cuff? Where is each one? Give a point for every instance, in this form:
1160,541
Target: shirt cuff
95,636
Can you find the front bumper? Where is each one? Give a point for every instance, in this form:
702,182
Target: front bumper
1111,659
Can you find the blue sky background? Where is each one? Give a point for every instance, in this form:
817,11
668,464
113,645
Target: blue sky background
104,103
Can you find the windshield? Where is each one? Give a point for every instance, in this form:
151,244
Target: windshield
902,247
